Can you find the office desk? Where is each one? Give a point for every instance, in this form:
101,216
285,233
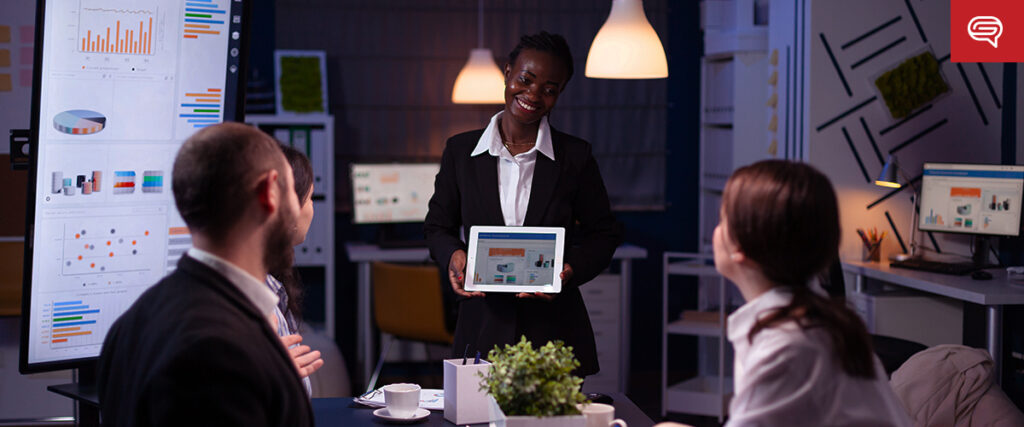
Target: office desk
364,254
342,411
993,294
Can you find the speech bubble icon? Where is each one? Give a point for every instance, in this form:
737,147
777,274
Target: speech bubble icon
986,29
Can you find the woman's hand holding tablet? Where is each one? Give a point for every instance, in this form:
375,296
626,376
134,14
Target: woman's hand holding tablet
457,274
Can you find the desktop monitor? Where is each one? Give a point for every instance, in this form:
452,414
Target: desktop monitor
971,198
118,86
392,193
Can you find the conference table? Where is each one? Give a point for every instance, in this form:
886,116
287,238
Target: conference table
343,411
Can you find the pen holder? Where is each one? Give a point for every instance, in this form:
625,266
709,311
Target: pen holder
873,253
464,401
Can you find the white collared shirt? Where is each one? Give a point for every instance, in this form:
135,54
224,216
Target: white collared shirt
790,377
254,289
515,173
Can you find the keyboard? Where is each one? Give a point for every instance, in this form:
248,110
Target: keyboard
956,269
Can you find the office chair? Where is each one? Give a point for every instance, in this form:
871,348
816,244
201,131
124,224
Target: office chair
407,305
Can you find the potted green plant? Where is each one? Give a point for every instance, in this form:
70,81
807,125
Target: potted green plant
535,387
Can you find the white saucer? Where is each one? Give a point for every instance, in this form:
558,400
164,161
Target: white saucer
416,416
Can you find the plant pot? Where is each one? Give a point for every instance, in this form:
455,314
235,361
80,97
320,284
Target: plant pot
532,421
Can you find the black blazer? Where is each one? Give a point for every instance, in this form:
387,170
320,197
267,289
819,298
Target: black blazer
193,350
567,192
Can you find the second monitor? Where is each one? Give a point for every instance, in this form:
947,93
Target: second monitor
392,193
971,198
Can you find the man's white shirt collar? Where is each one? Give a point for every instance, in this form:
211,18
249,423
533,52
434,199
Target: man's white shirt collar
490,140
256,290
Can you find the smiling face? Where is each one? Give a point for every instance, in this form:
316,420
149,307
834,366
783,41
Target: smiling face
532,85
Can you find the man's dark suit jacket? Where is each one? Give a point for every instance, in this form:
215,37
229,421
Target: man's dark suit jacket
567,192
194,351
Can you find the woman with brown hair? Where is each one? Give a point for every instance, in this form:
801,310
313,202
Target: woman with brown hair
801,359
286,283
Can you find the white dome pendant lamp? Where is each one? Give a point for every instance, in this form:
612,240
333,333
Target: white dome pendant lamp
626,46
480,81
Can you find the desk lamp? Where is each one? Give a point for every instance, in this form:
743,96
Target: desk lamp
890,178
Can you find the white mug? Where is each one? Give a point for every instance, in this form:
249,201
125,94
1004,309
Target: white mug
402,399
600,415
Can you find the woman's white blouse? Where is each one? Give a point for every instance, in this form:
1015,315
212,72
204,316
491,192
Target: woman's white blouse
789,377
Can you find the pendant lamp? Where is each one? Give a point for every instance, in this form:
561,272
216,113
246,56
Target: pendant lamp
626,46
480,81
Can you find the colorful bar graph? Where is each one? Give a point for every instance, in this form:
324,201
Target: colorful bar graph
115,40
202,18
71,320
202,108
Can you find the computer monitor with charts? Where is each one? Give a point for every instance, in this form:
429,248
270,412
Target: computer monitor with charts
971,198
118,87
392,193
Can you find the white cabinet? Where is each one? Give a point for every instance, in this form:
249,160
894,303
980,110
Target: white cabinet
313,135
710,391
738,120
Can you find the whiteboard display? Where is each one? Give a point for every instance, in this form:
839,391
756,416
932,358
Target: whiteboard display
120,86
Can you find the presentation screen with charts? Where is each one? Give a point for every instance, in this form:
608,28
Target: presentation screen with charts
965,198
119,86
515,259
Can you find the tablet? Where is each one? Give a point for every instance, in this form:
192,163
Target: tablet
515,259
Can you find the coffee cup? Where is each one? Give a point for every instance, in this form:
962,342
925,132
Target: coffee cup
600,415
402,399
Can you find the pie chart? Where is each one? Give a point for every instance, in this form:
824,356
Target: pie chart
79,122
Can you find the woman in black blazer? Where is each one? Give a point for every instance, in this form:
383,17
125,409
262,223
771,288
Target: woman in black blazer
520,171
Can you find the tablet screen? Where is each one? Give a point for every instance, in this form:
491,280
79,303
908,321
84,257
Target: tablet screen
515,259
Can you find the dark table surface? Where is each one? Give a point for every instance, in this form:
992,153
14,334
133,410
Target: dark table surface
342,411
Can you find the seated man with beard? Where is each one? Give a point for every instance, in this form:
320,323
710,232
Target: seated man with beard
199,348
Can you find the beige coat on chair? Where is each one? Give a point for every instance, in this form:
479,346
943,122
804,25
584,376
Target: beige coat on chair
953,385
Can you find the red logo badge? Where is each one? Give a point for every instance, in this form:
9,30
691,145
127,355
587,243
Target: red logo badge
986,30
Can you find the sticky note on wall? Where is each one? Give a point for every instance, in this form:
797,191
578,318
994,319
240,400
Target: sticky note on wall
5,82
28,34
25,77
25,55
5,58
5,33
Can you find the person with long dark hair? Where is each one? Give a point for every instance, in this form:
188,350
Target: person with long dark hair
801,359
520,171
285,282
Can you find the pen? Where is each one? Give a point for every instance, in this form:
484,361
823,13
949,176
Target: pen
477,360
464,354
863,237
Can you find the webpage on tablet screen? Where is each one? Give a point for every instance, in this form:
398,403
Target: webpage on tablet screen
515,259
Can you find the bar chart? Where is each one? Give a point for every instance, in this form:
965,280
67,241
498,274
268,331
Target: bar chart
202,108
178,242
73,323
119,31
203,18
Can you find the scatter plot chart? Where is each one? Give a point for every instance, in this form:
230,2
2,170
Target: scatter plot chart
113,247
